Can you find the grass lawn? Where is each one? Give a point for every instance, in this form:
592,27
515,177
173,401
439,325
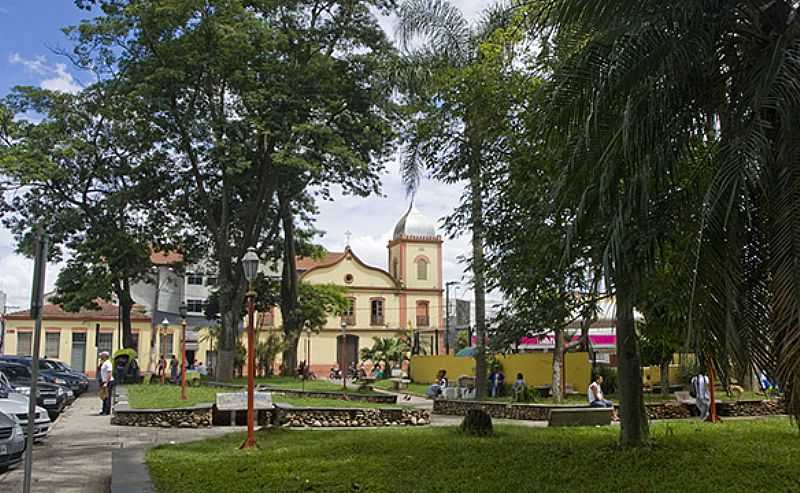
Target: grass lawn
168,396
735,456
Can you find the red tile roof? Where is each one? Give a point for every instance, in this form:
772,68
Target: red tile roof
107,311
306,263
165,258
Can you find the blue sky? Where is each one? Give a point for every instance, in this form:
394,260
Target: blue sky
30,31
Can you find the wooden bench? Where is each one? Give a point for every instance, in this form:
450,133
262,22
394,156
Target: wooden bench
399,383
580,416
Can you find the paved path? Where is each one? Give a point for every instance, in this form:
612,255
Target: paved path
76,457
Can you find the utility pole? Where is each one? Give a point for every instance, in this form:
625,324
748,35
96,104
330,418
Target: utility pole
37,302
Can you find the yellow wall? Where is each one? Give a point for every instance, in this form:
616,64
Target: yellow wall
535,367
654,373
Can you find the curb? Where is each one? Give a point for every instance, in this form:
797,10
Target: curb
129,474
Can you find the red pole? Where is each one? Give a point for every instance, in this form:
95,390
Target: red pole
250,442
183,360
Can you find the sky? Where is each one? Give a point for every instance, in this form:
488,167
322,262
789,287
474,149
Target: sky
30,39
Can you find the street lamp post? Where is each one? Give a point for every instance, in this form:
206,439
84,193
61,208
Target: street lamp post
164,328
250,264
344,356
182,310
447,316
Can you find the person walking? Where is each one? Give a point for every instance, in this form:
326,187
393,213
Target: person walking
173,369
702,396
106,383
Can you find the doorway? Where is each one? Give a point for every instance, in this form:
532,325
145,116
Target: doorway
346,351
78,356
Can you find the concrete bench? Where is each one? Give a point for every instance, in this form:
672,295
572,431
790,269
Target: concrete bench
684,397
580,416
399,383
366,384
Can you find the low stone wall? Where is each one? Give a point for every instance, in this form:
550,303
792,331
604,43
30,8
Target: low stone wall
661,410
296,417
189,417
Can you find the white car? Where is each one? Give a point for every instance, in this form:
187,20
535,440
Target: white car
12,441
16,404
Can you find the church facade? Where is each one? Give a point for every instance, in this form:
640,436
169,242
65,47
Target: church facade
406,296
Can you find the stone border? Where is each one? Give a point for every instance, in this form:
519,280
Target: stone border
198,416
659,410
342,417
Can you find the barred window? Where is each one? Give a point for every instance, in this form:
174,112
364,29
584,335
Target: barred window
52,343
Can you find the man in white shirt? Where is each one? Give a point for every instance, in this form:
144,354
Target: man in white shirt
106,382
702,395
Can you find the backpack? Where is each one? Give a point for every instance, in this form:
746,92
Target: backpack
693,388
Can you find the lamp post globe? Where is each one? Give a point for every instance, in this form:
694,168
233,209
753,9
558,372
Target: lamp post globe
250,263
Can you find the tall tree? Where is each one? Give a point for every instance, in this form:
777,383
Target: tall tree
643,84
242,91
453,74
91,175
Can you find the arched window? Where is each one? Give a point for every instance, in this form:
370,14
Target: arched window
349,313
422,269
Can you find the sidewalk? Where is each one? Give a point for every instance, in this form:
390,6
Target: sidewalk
76,457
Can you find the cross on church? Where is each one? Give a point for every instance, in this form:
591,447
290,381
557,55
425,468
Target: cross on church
347,235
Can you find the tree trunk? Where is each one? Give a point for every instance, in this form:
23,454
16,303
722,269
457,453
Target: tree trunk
479,280
665,376
634,428
289,287
154,325
558,359
226,347
125,307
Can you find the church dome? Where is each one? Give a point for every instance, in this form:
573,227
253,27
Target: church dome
414,224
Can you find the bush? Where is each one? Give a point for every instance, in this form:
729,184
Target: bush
477,423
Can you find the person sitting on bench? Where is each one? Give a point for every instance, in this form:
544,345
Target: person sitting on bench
596,399
437,389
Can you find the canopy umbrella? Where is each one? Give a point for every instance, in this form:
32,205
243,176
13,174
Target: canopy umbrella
467,352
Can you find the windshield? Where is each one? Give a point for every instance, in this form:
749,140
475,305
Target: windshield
4,383
48,365
16,372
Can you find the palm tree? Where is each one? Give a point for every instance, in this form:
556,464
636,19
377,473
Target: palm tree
645,89
445,79
391,350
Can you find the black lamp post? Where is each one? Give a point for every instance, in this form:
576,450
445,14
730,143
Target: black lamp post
250,263
164,328
344,356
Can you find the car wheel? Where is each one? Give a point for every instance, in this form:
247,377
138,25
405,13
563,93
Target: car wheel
53,415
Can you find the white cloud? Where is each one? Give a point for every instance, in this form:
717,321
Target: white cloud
55,77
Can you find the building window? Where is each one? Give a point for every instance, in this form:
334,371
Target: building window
349,313
195,306
211,281
52,342
422,269
423,316
348,278
396,268
105,342
166,344
267,318
376,312
194,278
23,343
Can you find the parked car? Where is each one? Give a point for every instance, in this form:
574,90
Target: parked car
50,396
19,408
83,380
12,441
53,374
